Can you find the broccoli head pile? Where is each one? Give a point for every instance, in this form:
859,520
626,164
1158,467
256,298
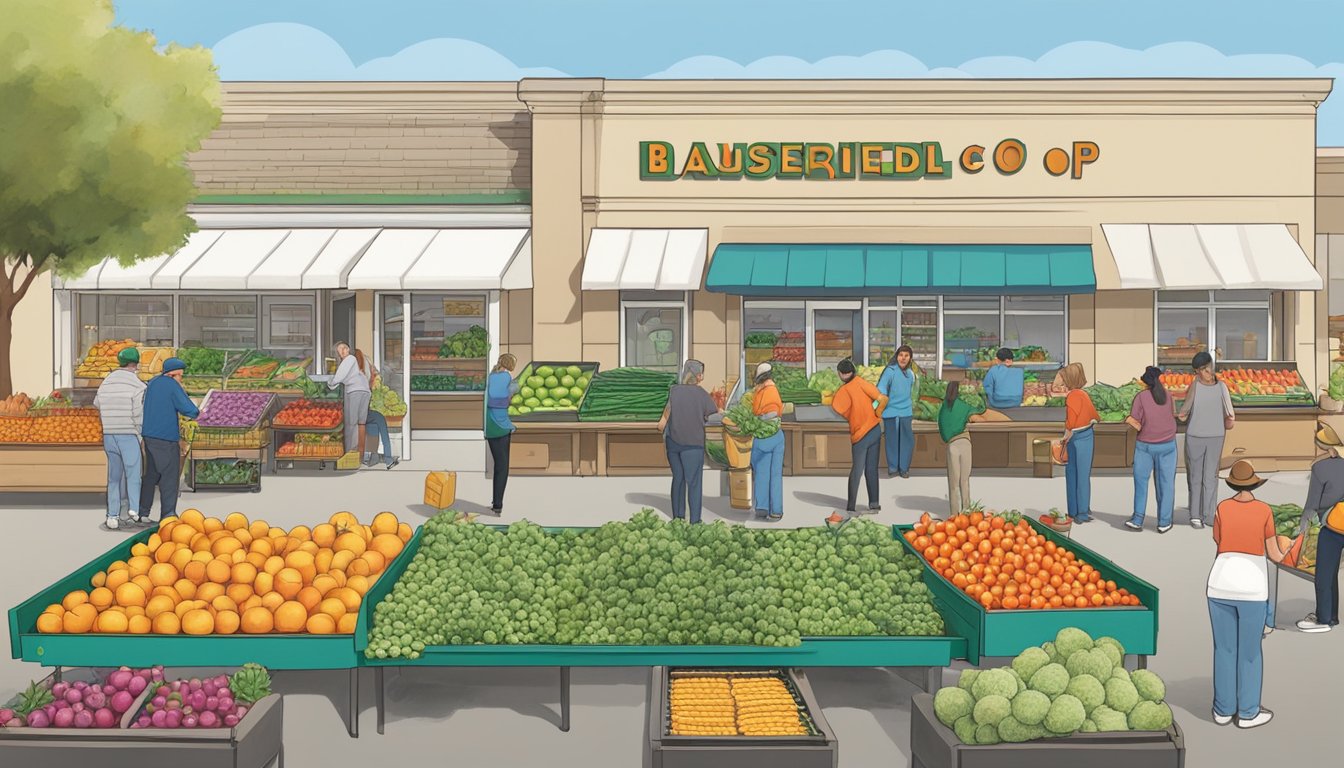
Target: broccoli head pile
1071,685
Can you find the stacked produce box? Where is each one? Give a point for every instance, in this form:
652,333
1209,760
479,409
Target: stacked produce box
310,430
230,440
626,394
205,368
459,362
553,391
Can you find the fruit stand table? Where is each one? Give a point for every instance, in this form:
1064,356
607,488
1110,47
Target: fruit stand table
1005,633
920,659
43,468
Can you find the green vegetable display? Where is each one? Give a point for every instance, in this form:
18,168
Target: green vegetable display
716,453
34,697
472,342
626,394
386,401
745,421
1075,685
1336,387
250,684
825,380
760,340
1287,519
650,582
203,361
551,388
1113,403
228,472
440,382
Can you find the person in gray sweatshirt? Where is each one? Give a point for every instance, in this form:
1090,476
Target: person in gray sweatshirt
121,405
1208,415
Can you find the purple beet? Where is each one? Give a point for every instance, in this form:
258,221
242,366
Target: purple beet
230,721
197,700
189,721
225,704
195,684
211,703
84,719
81,685
50,711
143,721
78,707
95,700
14,722
104,718
120,680
122,701
58,690
209,720
159,719
174,718
73,696
39,719
64,718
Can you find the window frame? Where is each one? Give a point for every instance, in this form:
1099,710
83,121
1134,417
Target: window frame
1211,307
684,304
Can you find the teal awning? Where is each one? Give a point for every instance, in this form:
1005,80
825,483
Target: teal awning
755,269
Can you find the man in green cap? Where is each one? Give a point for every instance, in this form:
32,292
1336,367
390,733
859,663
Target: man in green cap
121,404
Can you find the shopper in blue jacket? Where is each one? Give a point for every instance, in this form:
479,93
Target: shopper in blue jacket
1004,384
898,419
165,400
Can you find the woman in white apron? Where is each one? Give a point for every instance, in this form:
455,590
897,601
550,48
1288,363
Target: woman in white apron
1238,590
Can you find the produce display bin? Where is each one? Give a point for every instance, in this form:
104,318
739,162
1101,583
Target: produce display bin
934,745
664,750
589,370
1006,632
256,742
87,675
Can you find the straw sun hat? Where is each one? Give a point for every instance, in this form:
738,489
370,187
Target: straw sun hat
1242,477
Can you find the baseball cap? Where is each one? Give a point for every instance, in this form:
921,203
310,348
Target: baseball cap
174,364
127,356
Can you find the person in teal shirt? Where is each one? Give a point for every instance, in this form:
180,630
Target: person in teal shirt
1004,384
898,419
499,391
953,417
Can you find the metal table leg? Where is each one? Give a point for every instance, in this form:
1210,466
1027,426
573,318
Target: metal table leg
1143,662
933,679
381,691
564,699
56,674
354,703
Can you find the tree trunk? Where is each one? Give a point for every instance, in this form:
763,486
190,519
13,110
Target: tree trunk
6,334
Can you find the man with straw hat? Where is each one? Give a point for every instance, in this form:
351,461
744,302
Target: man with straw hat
1238,595
1323,493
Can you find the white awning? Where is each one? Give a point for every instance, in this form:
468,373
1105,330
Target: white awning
1210,257
446,259
645,259
238,259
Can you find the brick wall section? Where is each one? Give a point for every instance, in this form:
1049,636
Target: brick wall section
367,138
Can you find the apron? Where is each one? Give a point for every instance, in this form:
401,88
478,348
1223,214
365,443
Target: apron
1239,576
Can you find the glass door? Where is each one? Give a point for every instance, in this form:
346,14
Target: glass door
393,358
835,332
919,331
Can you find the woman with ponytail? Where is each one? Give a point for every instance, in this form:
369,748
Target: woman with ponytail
1154,416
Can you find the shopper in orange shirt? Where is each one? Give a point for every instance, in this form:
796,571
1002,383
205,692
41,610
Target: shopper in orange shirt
1080,416
860,403
767,453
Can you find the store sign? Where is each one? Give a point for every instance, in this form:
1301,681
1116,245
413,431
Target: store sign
658,160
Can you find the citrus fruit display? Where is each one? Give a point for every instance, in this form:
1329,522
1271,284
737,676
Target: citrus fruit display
201,575
1001,562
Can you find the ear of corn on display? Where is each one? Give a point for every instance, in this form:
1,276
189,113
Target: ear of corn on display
734,704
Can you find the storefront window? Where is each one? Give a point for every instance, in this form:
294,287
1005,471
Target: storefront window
836,334
288,326
1034,327
884,323
449,343
970,327
144,318
390,366
919,331
224,322
1235,323
653,330
774,333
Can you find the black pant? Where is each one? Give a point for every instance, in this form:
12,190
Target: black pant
163,468
1328,549
499,452
687,463
864,455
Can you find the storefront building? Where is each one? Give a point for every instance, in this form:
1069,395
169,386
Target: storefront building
1113,223
1117,224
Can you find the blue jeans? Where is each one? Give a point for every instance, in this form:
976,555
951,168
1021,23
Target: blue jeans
688,477
1078,473
123,472
767,474
1238,666
900,434
1158,460
863,467
376,428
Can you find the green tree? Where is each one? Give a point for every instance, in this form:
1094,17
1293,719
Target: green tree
95,129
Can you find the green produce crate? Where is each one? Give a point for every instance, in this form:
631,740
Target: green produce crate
1009,632
572,414
95,650
814,652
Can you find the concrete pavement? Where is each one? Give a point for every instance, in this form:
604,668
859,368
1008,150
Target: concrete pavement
480,717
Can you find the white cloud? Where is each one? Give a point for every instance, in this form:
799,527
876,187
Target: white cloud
300,52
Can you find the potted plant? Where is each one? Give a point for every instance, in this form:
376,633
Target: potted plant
1332,395
1057,521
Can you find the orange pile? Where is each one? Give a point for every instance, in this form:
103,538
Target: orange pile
83,428
204,576
1006,565
15,429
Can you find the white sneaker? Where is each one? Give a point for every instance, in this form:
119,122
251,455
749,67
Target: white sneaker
1310,625
1221,719
113,524
1264,717
1196,523
1267,631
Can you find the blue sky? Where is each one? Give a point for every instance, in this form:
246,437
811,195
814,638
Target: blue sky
421,40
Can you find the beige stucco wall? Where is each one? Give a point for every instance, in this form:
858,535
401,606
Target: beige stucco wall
31,352
1171,151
